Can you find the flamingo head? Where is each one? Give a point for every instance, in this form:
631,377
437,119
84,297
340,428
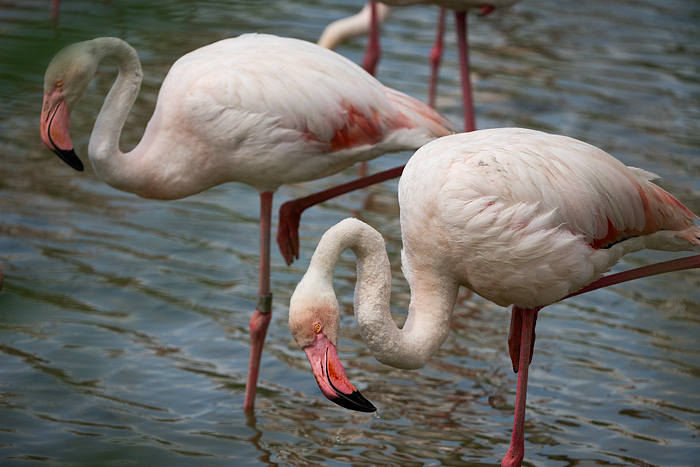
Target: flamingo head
65,82
314,324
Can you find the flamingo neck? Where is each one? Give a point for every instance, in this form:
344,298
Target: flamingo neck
430,310
111,165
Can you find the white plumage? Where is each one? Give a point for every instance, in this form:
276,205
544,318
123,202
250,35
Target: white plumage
518,216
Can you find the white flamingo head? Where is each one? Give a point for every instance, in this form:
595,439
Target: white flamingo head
66,79
314,319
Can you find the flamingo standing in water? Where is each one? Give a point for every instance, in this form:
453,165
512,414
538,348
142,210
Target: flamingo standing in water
257,109
373,13
520,217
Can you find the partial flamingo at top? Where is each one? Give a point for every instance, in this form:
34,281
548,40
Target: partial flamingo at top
375,12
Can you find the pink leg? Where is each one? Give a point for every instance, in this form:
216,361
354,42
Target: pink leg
263,311
435,57
290,211
516,323
462,41
526,320
689,262
369,63
516,453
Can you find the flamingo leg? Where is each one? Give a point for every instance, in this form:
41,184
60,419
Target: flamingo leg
516,453
371,58
435,58
521,343
263,311
516,322
290,211
689,262
463,43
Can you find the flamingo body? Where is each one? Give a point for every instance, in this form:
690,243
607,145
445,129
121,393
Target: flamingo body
520,217
525,218
257,109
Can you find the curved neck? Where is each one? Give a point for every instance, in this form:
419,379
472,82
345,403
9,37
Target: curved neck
107,159
432,297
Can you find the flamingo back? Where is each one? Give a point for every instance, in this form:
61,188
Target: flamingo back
525,217
246,102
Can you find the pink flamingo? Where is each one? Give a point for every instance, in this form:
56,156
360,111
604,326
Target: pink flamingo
520,217
257,109
373,14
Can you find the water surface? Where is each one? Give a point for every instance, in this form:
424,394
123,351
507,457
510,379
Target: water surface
124,321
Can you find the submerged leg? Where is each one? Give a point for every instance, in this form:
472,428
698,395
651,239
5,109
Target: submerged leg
516,453
263,311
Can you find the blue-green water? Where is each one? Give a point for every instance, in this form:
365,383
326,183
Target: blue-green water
124,321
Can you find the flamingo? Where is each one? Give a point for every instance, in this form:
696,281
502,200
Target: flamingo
373,14
257,109
520,217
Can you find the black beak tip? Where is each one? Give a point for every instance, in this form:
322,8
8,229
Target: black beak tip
354,401
70,158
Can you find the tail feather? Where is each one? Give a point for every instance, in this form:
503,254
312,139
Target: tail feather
416,114
692,236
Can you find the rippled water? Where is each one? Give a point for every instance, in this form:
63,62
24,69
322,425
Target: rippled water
123,321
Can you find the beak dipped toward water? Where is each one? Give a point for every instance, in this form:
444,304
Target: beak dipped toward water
331,378
55,128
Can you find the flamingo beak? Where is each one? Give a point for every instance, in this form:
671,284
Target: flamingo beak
331,378
55,128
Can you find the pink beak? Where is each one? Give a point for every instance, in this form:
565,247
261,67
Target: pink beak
55,128
331,378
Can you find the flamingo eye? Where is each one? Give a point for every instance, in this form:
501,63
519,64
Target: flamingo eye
317,327
59,83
